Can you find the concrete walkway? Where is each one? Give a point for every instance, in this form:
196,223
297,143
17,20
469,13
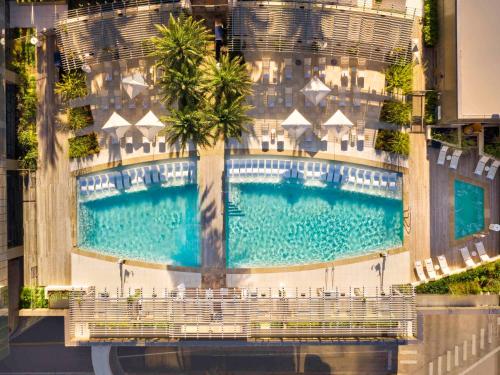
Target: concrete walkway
211,203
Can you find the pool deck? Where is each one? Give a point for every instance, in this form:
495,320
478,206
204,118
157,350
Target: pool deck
442,213
211,203
49,261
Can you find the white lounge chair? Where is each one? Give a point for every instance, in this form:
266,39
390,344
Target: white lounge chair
493,170
170,172
454,159
82,182
265,138
331,172
352,176
376,179
360,177
443,264
155,175
126,180
288,97
429,266
129,141
384,180
481,252
288,68
367,179
111,181
162,171
288,168
324,171
97,183
469,263
147,175
336,173
480,165
392,181
442,155
345,175
300,169
420,271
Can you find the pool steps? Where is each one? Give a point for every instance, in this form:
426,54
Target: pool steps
174,173
249,169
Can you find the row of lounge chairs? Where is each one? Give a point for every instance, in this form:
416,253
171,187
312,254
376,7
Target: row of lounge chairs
322,171
480,167
443,264
159,173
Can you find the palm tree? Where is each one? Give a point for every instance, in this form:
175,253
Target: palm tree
227,83
188,124
179,50
227,78
228,119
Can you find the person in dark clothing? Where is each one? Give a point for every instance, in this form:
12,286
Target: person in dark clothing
219,38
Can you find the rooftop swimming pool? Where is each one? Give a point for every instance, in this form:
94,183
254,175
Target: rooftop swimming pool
469,209
278,212
275,219
155,218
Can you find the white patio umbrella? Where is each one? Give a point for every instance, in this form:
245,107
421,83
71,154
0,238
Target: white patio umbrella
116,125
315,91
149,125
338,121
134,85
296,124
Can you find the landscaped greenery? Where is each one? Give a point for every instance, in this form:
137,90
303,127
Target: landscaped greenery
448,135
73,86
399,77
23,63
396,112
431,103
492,141
33,298
393,141
209,95
430,29
482,279
83,145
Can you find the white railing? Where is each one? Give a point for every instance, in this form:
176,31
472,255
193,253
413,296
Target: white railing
243,314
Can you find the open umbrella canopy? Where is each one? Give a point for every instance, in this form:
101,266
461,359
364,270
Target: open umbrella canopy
315,91
338,119
116,125
149,125
134,85
296,124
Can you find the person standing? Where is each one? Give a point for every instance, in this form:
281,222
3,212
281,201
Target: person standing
219,37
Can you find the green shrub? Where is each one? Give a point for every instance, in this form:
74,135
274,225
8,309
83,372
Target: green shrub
393,141
396,112
80,117
399,76
71,86
23,63
448,135
430,30
33,298
484,278
84,145
431,103
492,141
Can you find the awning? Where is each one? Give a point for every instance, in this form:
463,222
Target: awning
149,125
116,125
296,124
134,85
315,91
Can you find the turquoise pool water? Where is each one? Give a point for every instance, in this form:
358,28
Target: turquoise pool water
469,209
159,224
277,224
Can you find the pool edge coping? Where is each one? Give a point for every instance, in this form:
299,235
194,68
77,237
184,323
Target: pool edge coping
251,270
452,176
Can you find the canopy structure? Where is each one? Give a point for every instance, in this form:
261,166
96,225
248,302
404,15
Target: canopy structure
315,91
296,124
338,121
149,125
134,85
116,125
